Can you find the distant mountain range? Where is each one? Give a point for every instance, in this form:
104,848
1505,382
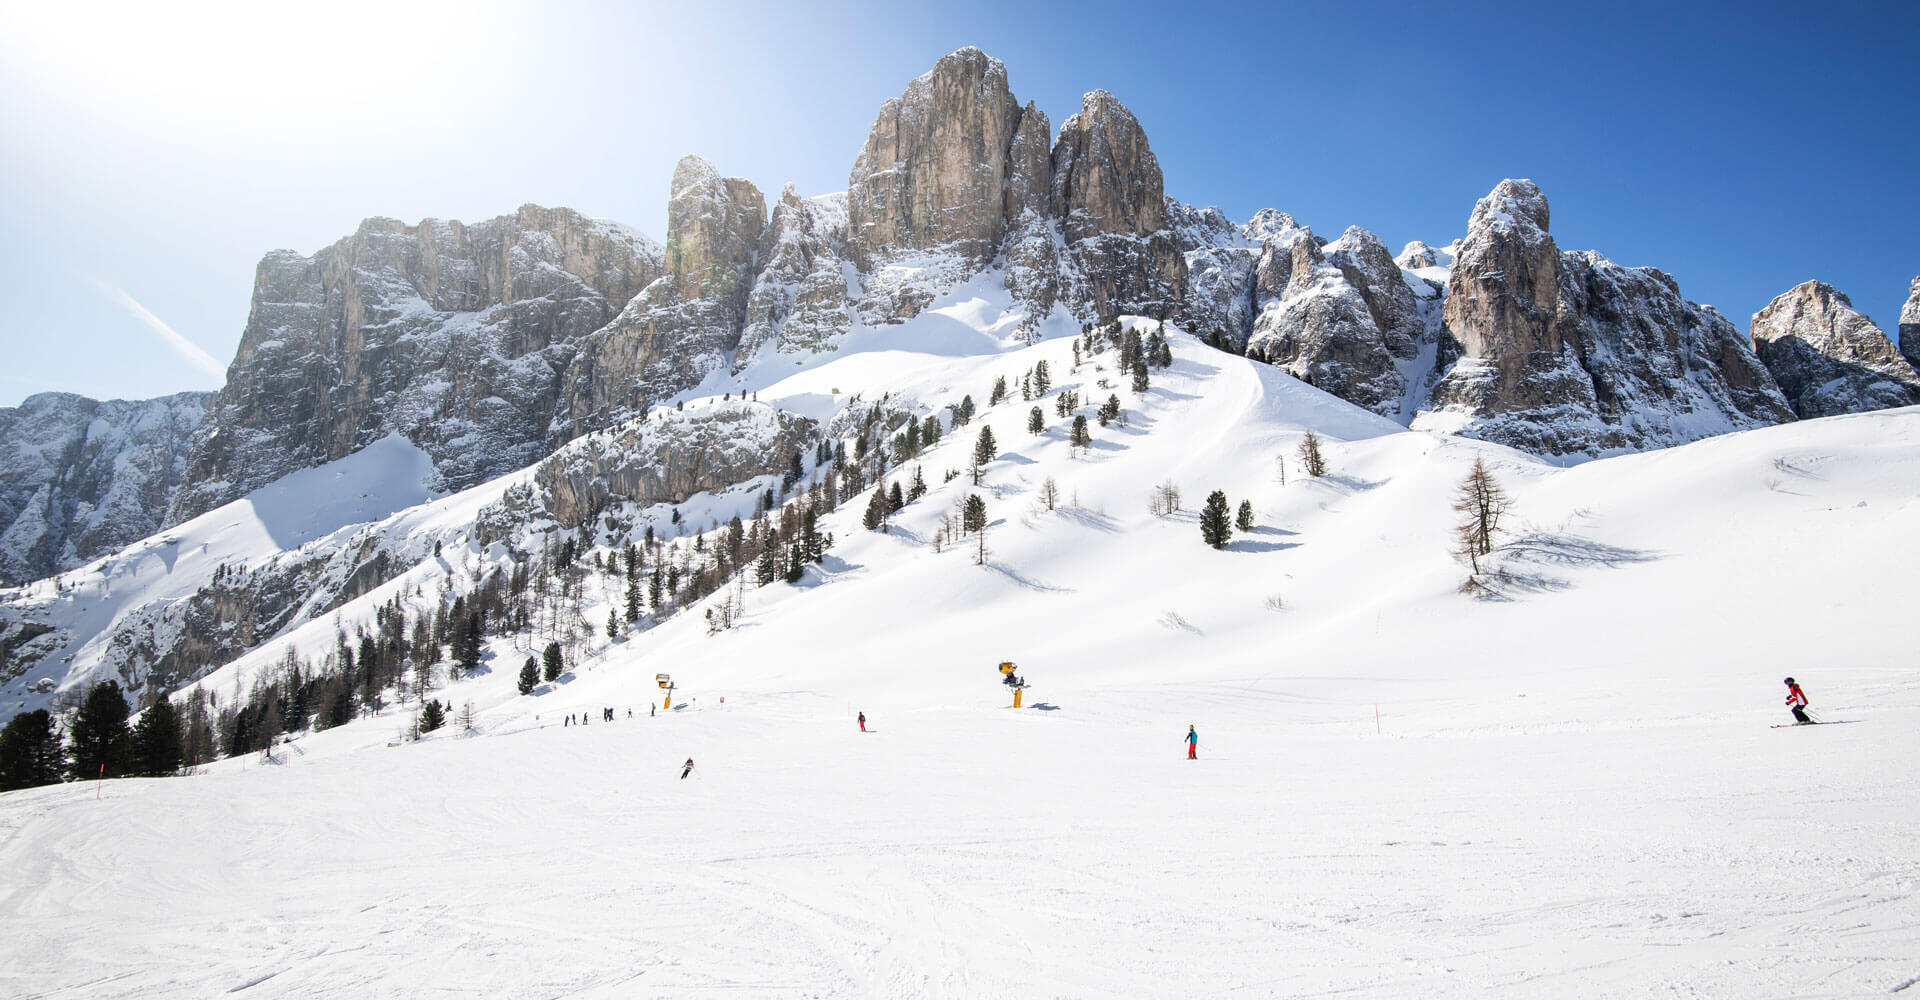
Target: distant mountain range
546,340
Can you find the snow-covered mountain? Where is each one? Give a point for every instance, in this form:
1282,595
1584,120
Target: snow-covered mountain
80,478
1563,786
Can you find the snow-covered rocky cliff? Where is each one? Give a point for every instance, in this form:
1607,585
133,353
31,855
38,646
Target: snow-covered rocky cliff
80,478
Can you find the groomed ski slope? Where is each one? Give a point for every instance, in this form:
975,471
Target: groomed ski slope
1402,791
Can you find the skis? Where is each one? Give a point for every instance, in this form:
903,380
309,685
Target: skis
1829,722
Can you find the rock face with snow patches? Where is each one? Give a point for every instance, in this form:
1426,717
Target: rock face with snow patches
686,324
80,478
1346,320
1572,354
452,335
1828,358
1910,325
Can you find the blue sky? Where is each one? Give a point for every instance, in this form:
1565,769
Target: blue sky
154,152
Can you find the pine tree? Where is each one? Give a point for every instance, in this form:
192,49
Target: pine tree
973,513
875,518
984,451
1310,457
552,661
1244,521
432,716
1036,421
896,498
613,625
99,740
529,675
1214,526
999,391
1042,381
917,488
1080,436
1140,384
157,740
30,751
765,568
1109,411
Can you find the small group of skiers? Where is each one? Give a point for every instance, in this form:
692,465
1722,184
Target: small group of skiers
580,718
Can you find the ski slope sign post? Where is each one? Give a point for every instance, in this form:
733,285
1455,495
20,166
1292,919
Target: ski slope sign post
666,684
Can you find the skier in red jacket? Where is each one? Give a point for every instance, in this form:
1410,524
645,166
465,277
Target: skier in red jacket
1797,701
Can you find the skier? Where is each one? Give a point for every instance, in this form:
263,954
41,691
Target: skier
863,722
1193,744
686,770
1797,701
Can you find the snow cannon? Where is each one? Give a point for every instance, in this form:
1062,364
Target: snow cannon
666,682
1012,680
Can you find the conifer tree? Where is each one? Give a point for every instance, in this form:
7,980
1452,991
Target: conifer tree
99,740
917,488
1214,526
896,498
30,751
999,391
432,716
613,624
875,518
765,568
1042,381
1481,501
1080,436
157,740
1036,421
1244,520
552,661
1310,457
1140,384
973,514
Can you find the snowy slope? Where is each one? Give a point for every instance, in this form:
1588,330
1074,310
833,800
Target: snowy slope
1568,792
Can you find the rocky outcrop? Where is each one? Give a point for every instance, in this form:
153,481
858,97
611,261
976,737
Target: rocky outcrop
933,172
1346,320
80,478
1108,194
800,300
1910,325
452,335
1828,358
1569,354
669,457
683,326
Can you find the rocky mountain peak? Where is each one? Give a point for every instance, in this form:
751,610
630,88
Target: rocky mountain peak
934,167
1513,206
714,228
1105,177
1828,357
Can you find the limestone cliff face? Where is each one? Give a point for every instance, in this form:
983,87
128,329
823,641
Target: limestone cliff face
933,171
80,478
684,325
1570,353
452,335
1910,325
1108,194
800,300
1828,358
1346,321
